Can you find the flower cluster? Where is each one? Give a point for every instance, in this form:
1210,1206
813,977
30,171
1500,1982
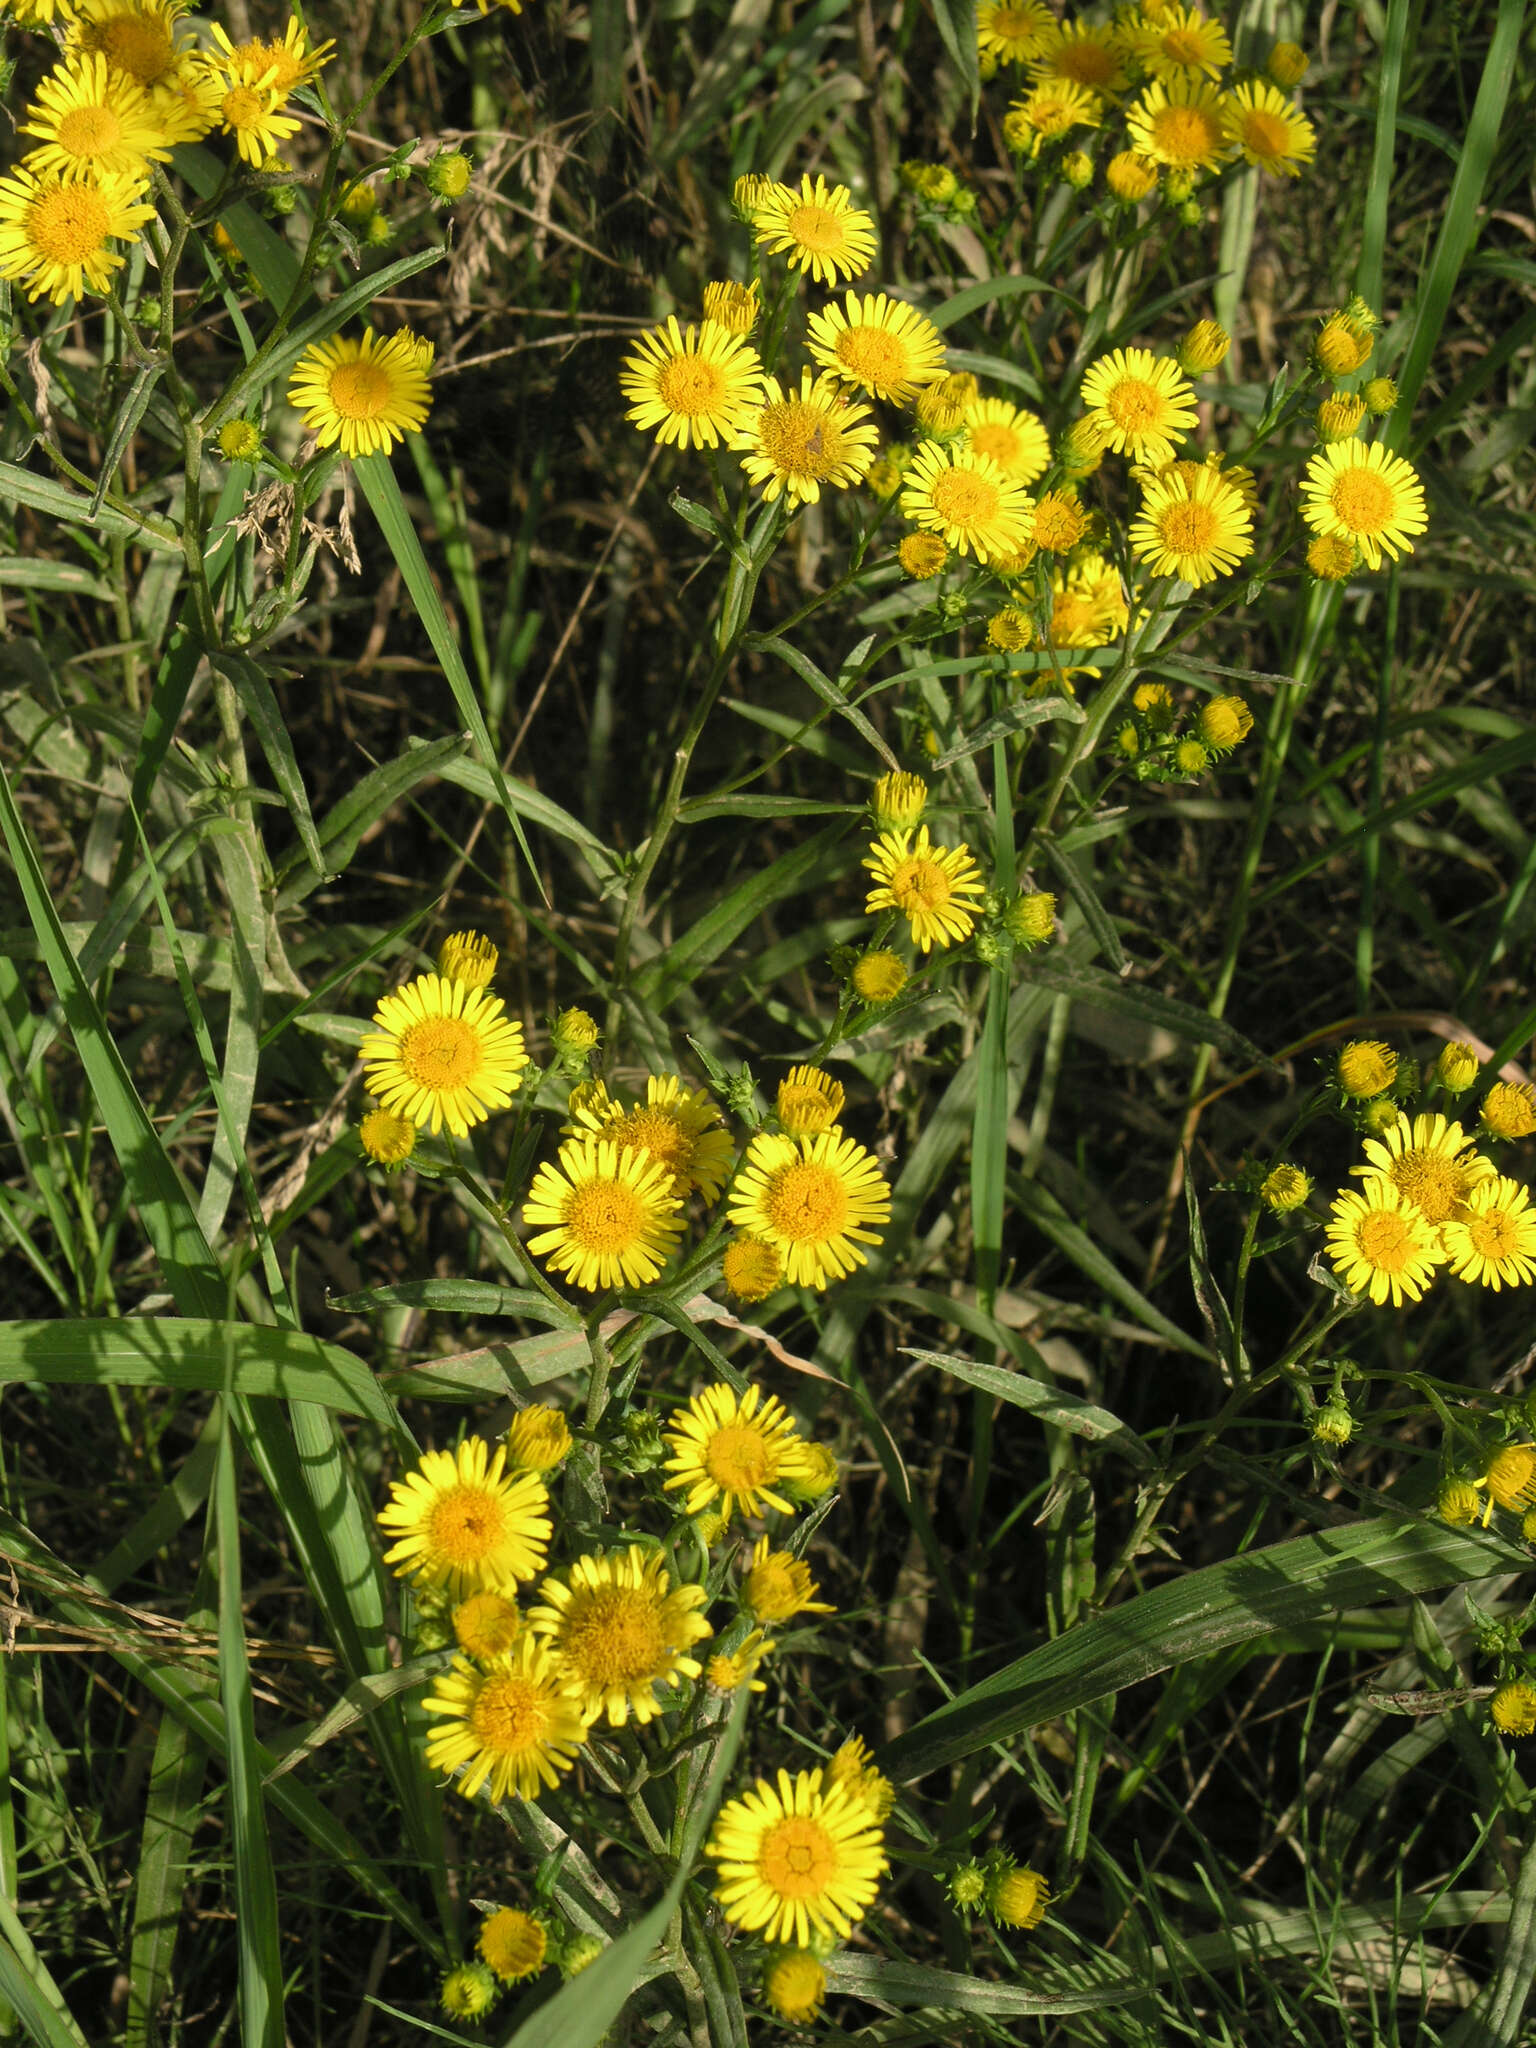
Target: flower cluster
549,1663
1429,1200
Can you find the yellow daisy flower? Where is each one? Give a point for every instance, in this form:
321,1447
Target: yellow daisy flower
1180,44
751,1270
365,394
1060,522
1429,1162
1194,528
510,1725
1513,1708
798,441
1366,1067
813,1200
145,40
965,498
1359,491
794,1983
1181,124
849,1766
1013,33
1509,1110
1492,1238
486,1624
250,109
882,345
1140,403
1457,1067
463,1524
1130,177
56,233
809,1100
1266,129
538,1439
735,307
1088,607
778,1585
469,957
287,62
389,1140
1086,55
795,1859
618,1629
1010,435
91,119
612,1215
936,888
676,1126
732,1452
1510,1480
878,977
513,1945
1018,1897
818,228
186,104
1380,1245
1047,111
441,1053
694,385
897,799
728,1671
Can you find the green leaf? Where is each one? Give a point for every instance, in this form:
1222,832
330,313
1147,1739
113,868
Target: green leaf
904,1984
1062,1411
461,1298
189,1354
1018,718
990,289
362,1697
1284,1586
1085,896
260,704
125,425
345,825
956,23
70,508
63,579
1104,991
379,486
823,685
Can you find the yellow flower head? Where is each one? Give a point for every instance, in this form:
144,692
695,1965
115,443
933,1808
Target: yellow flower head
1181,124
619,1629
1380,395
1011,435
1265,129
808,1100
1288,65
1366,1067
463,1524
1018,1897
896,800
728,1671
814,1477
814,1200
1342,345
1130,177
735,307
249,106
1060,522
778,1586
1332,558
881,345
818,228
794,1983
1141,403
676,1126
574,1034
1088,605
922,555
486,1624
389,1140
795,1859
57,231
538,1439
1204,348
468,1992
287,62
91,119
1513,1708
1429,1162
729,1451
1357,490
1457,1067
1015,31
1087,55
1339,417
1031,920
1285,1188
850,1766
1511,1477
1457,1503
750,191
611,1214
936,888
144,40
694,386
513,1945
1224,722
239,440
1010,630
878,977
367,394
1492,1238
510,1724
441,1053
467,957
967,500
1179,43
941,406
751,1269
1509,1110
1196,527
1381,1245
1049,110
796,441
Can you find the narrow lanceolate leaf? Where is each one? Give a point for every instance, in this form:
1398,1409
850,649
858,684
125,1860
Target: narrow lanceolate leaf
259,702
190,1353
906,1984
823,685
1225,1604
1061,1410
